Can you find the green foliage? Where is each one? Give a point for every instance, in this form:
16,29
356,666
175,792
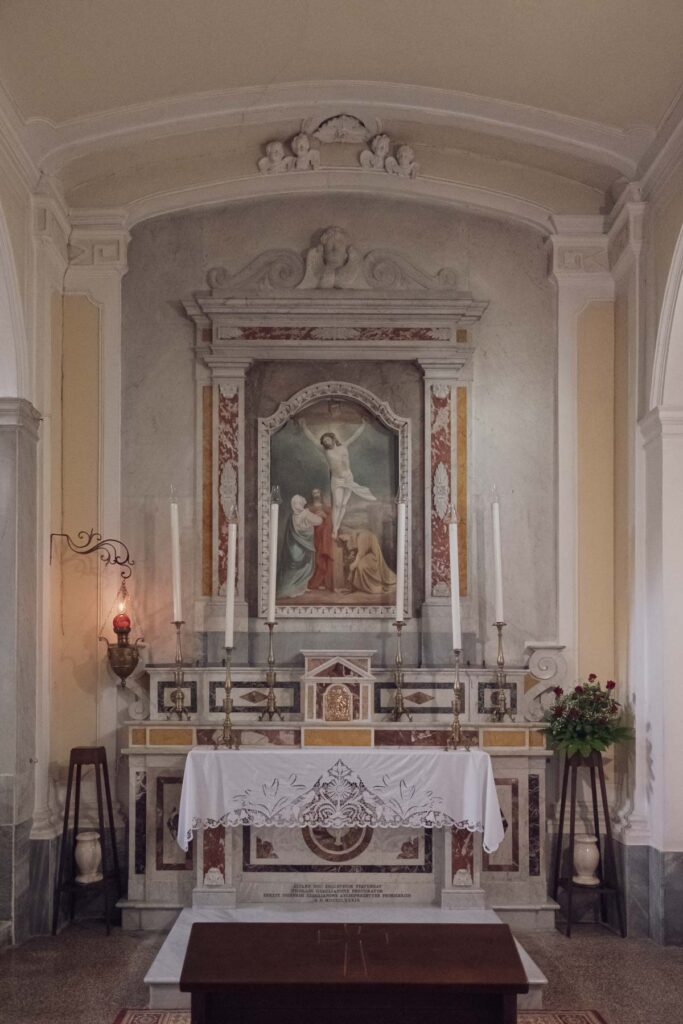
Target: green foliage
586,718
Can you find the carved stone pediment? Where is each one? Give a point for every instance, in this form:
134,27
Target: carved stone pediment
332,262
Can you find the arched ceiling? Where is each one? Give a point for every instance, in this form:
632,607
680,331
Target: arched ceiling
547,100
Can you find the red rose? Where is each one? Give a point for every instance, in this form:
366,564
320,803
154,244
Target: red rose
610,684
592,677
558,691
579,689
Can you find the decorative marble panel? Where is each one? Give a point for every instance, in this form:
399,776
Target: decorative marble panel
163,696
248,698
420,737
534,824
506,857
432,699
255,737
485,696
462,856
358,850
213,853
140,822
228,470
169,856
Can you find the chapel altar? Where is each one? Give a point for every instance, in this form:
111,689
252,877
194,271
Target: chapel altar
306,370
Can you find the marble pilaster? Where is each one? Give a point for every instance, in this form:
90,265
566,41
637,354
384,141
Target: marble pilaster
18,477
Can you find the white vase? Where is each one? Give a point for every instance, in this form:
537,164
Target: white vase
586,859
88,857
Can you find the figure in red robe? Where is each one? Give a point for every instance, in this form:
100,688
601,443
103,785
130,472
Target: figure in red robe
323,575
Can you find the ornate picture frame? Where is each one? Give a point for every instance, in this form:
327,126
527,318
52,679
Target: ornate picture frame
383,419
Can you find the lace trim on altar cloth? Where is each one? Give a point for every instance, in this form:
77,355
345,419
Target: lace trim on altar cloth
236,818
338,799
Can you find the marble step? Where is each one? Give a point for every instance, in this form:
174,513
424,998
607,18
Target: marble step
164,975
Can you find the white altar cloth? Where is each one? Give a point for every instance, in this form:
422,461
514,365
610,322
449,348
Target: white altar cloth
340,787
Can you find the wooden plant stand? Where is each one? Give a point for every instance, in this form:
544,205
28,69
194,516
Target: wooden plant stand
606,849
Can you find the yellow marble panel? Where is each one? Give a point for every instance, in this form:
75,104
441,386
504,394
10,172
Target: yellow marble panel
536,739
529,681
337,738
138,737
171,737
505,738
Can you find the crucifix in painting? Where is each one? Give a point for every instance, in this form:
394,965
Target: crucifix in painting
336,461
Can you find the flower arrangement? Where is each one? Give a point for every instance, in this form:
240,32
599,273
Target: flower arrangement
586,718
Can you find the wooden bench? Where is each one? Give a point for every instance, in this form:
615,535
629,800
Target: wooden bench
354,973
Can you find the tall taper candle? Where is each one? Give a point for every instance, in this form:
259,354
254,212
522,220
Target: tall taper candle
175,561
497,559
400,558
455,580
272,557
230,584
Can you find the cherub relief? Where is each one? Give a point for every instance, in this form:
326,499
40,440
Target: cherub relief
333,263
305,158
275,161
403,164
373,159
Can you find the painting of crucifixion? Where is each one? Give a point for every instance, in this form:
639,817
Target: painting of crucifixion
336,465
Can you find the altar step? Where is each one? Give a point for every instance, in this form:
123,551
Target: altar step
163,976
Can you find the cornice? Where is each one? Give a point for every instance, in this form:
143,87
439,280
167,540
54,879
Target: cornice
53,145
19,413
661,422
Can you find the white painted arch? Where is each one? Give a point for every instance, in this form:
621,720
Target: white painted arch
667,371
488,202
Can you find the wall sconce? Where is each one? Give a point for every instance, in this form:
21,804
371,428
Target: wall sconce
123,656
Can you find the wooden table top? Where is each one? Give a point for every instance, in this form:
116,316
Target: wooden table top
474,957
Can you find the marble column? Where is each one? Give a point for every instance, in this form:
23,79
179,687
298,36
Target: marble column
18,478
445,439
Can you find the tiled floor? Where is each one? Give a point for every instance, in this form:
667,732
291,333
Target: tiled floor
83,977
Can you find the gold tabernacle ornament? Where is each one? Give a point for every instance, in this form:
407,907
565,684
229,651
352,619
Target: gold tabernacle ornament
399,709
500,708
271,709
457,737
177,696
227,737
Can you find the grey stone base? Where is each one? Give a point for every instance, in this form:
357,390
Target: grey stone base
653,889
528,918
148,917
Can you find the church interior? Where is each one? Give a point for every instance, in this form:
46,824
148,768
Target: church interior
341,447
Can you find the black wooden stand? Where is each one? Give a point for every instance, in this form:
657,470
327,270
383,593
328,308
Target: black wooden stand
80,756
607,859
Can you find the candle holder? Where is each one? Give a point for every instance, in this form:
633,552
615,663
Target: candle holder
399,709
227,738
500,708
271,709
177,696
456,737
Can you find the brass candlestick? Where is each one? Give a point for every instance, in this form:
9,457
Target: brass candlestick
399,709
271,709
500,709
227,737
177,706
456,737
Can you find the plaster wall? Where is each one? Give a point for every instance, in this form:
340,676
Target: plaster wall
513,399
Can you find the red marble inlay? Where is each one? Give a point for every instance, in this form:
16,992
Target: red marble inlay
214,849
228,467
287,332
420,737
462,852
440,419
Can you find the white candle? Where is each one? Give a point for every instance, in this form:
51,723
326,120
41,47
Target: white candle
230,586
272,560
455,582
175,561
400,558
497,559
